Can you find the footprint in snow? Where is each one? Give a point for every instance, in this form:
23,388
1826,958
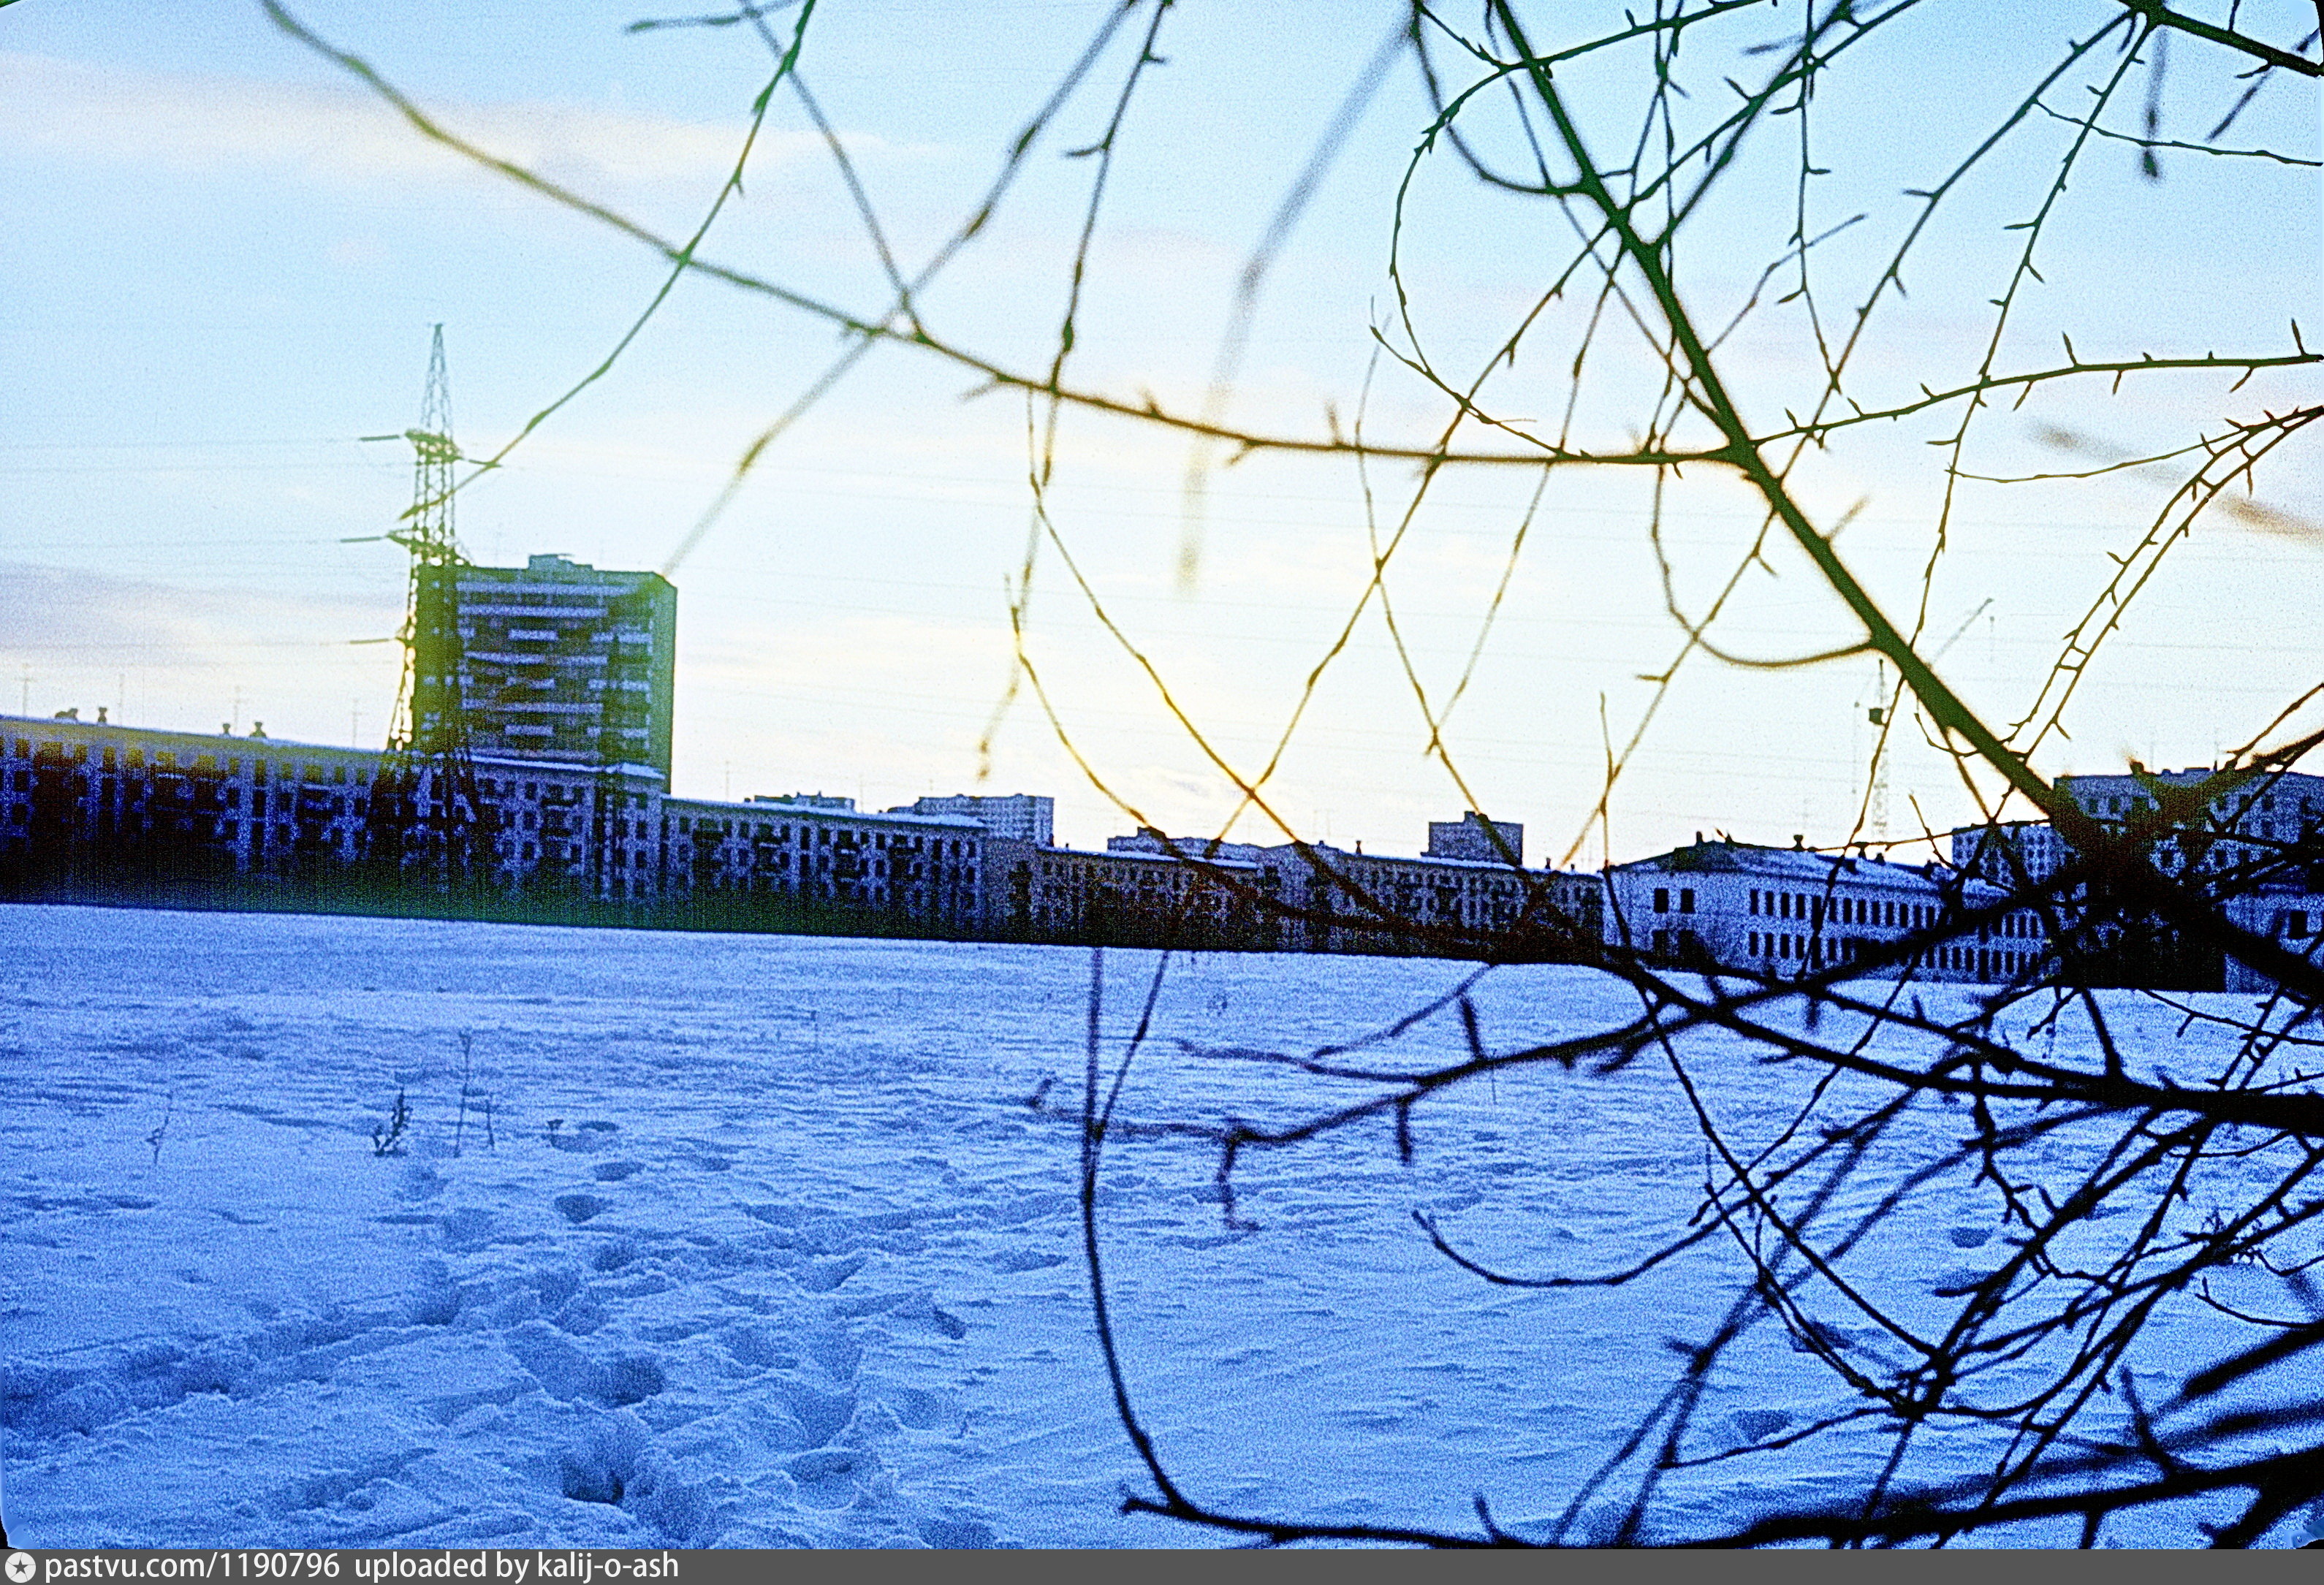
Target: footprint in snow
828,1476
1758,1425
1011,1261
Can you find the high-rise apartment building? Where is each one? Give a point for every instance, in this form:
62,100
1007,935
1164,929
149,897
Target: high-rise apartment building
557,660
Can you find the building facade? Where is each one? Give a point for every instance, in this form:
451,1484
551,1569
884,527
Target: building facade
555,660
1355,901
92,807
1781,912
1302,897
2293,920
823,855
1472,836
1034,891
2255,849
2264,832
1019,817
97,806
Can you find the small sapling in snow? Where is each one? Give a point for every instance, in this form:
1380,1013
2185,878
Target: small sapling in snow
467,1065
387,1138
161,1130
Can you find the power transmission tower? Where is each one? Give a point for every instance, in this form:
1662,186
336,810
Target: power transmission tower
425,812
1883,715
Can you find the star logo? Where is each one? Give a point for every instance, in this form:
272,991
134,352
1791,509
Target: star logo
20,1567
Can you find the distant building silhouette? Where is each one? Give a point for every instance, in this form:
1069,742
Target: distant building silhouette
1019,817
1472,836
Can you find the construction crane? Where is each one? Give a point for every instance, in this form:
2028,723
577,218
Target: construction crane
426,818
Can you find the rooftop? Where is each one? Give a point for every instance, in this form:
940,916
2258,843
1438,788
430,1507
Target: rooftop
1798,865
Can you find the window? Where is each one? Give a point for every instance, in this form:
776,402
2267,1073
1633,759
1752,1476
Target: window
1686,899
1661,904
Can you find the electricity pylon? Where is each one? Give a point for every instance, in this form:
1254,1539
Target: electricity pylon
425,813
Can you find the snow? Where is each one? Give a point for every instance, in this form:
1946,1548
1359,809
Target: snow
763,1245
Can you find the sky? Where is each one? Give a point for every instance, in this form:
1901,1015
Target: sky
224,257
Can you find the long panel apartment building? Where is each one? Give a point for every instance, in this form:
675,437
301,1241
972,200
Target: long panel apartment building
99,808
1150,888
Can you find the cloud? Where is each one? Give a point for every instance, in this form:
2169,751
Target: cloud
81,615
186,657
203,123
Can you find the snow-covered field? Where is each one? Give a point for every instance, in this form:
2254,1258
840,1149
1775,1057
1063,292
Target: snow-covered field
762,1245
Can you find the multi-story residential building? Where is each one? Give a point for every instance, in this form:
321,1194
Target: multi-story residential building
1778,911
1311,897
1019,817
1355,901
1472,836
92,806
2263,831
99,808
579,831
2293,920
2262,839
555,660
824,855
96,805
1148,840
1034,891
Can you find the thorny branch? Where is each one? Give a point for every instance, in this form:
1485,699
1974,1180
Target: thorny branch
2128,1170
